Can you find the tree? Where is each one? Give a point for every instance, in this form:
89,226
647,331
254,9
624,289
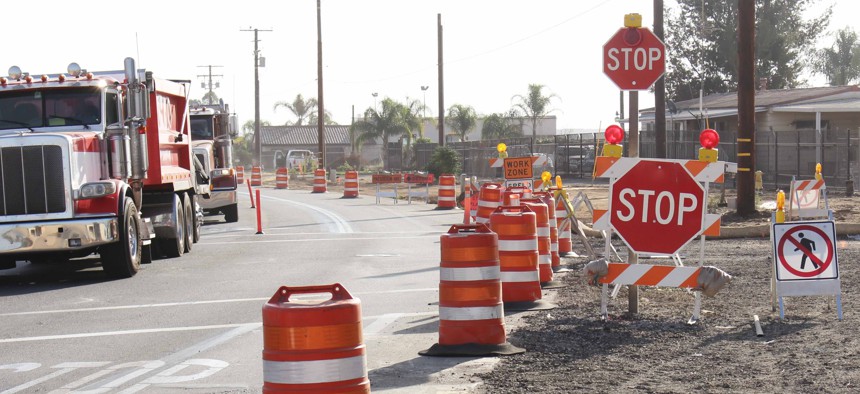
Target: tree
461,119
534,105
243,145
210,98
501,126
301,108
841,62
701,41
385,124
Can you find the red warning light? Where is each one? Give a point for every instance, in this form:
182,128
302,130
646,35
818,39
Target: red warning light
632,36
709,138
614,134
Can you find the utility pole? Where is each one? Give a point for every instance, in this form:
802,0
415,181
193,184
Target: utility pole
659,90
208,84
441,82
746,107
320,106
258,145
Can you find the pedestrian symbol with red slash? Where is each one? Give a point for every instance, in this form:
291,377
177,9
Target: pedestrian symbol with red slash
805,260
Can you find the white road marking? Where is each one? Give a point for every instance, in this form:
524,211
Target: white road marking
126,332
381,322
187,303
281,240
341,225
64,369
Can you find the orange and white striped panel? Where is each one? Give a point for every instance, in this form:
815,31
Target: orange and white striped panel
651,275
600,220
702,171
712,225
810,184
536,161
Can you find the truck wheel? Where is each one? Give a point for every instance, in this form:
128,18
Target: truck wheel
231,213
198,218
188,213
122,259
175,246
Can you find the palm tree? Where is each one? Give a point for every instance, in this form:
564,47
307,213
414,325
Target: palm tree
301,108
384,124
535,105
840,63
461,119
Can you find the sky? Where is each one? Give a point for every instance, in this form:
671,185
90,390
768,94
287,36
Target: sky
493,50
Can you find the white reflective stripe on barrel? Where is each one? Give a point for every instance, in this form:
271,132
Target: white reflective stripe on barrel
520,276
471,313
469,273
488,204
543,232
446,198
553,247
316,371
553,223
350,189
446,187
520,245
565,234
545,259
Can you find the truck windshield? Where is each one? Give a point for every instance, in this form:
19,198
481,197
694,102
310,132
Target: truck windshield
54,107
201,128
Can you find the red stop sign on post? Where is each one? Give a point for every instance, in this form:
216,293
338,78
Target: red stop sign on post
657,207
634,58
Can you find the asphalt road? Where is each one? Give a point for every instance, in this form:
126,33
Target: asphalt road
194,324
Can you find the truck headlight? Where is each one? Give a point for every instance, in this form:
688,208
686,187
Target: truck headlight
96,189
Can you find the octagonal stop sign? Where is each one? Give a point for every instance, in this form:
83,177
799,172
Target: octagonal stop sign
657,207
634,58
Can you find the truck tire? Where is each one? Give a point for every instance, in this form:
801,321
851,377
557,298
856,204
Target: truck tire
188,213
175,246
198,218
122,259
231,213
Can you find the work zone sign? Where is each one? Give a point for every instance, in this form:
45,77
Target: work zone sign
518,168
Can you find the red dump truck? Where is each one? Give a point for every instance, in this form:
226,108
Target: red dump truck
96,162
212,126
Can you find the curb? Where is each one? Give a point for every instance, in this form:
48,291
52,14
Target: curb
759,231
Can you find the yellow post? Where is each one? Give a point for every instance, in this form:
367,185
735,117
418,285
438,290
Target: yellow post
758,180
780,207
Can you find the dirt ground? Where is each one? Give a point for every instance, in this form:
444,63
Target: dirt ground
570,349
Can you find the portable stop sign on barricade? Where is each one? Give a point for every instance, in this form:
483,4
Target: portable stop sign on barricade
657,206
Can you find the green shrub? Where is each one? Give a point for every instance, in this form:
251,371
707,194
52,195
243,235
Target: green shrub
444,161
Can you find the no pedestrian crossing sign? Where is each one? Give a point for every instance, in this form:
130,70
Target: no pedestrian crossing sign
805,251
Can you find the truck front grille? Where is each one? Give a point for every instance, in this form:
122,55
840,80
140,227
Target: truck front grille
32,179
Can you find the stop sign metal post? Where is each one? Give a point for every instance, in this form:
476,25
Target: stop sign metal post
634,58
657,207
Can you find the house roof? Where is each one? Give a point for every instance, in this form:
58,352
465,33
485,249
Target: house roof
823,99
304,135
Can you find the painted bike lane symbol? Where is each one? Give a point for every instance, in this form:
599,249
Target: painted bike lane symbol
806,252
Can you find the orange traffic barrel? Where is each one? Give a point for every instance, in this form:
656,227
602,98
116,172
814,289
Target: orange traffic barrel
516,227
350,185
544,244
447,195
240,175
565,244
522,192
489,199
549,200
471,314
256,176
473,200
313,346
319,181
282,178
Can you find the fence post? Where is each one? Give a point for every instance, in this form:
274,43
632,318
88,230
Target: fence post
775,159
798,153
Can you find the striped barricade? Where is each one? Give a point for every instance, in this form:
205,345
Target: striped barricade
805,199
